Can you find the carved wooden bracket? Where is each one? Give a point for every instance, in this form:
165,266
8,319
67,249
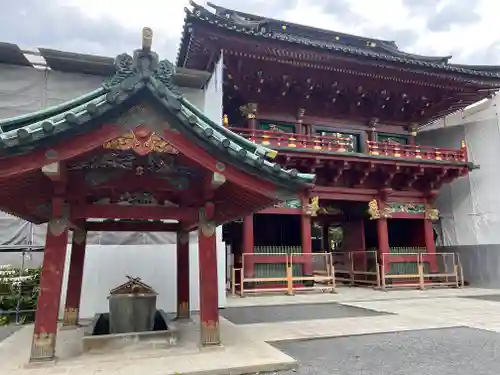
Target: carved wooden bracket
142,141
249,110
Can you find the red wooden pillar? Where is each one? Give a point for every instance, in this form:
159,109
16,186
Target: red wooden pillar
305,233
383,239
183,310
209,291
75,278
47,311
248,245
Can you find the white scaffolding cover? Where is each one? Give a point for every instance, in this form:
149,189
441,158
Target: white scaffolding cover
470,206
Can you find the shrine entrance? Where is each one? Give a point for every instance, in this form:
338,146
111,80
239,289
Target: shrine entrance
140,157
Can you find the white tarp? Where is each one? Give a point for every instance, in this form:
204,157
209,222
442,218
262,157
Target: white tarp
470,206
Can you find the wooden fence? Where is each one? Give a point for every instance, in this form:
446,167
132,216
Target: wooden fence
323,271
284,278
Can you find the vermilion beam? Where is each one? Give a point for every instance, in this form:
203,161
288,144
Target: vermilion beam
115,211
117,226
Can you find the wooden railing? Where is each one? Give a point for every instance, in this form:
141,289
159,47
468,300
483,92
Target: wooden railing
279,139
347,144
416,151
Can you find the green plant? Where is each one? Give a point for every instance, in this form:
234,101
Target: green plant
19,291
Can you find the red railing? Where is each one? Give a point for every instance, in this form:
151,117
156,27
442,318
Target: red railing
416,151
347,144
280,139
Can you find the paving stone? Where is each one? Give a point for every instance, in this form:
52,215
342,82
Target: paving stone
488,297
447,351
6,331
272,314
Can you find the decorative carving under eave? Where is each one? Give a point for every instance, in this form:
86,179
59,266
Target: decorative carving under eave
142,141
313,207
291,203
405,207
376,213
431,214
59,224
207,226
249,110
182,237
79,236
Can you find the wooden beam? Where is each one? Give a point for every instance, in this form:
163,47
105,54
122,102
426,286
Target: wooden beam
80,144
116,211
130,226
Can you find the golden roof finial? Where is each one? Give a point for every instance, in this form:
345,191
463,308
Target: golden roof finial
147,38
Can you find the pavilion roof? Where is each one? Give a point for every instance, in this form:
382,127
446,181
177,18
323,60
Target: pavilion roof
259,27
132,83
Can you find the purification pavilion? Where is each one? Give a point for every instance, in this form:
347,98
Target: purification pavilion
346,108
136,153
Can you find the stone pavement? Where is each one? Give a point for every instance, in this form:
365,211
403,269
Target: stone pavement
6,331
377,323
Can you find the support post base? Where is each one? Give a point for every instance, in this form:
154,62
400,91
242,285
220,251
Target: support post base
43,347
70,317
183,311
210,333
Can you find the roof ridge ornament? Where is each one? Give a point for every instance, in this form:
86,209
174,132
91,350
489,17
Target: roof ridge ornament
143,65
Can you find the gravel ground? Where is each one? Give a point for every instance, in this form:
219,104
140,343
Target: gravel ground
284,313
450,351
6,331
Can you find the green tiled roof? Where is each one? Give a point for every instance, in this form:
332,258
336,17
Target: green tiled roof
261,27
143,77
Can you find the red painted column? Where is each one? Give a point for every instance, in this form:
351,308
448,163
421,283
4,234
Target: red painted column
47,311
209,293
306,240
248,245
183,310
75,278
383,239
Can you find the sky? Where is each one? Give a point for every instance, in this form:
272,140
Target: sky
466,29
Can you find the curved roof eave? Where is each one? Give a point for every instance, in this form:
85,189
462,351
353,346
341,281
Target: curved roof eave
386,50
34,129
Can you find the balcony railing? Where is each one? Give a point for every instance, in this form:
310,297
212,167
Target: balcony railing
280,139
348,144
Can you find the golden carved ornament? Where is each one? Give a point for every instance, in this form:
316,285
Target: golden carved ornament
431,214
313,207
376,213
142,141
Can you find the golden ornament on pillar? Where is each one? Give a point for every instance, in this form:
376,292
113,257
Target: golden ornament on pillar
312,208
431,214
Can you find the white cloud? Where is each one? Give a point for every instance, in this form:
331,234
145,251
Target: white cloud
405,21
